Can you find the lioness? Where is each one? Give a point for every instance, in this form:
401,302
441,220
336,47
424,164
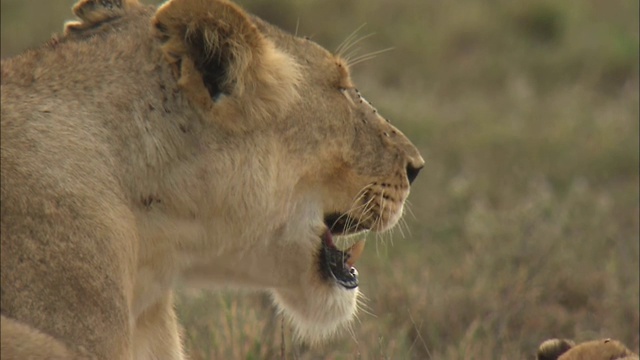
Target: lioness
191,143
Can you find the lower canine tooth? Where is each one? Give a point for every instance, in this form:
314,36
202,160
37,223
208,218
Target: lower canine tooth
355,252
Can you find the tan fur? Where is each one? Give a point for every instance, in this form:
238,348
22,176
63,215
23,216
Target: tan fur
195,144
606,349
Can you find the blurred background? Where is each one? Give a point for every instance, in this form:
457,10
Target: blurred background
524,225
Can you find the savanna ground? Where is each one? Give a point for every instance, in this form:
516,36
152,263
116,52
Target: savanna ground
524,224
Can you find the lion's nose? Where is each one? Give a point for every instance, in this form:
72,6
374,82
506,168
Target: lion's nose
413,170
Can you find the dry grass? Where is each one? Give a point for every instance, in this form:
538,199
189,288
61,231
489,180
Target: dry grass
525,220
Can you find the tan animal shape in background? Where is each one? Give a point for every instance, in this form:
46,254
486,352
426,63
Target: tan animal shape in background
606,349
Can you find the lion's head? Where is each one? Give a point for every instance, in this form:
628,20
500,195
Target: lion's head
606,349
340,166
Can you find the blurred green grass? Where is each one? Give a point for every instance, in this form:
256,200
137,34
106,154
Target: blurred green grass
524,224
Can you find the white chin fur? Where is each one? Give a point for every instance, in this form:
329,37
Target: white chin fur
318,313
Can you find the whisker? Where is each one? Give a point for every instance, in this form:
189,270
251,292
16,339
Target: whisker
366,213
374,53
297,25
367,310
400,228
378,222
403,223
391,231
347,57
356,41
383,207
344,42
353,52
348,225
406,226
392,234
367,56
352,332
403,220
408,207
355,202
362,303
354,208
358,196
353,63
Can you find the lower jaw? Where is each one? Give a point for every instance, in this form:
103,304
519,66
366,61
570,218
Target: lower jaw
334,269
314,318
336,266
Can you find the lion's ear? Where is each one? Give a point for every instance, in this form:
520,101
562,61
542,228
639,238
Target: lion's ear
94,12
216,50
552,349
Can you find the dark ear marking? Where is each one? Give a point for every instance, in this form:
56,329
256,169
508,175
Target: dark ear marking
213,67
162,32
219,58
215,39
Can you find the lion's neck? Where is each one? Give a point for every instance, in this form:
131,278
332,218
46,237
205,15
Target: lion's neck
199,241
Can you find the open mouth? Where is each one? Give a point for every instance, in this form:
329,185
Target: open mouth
338,264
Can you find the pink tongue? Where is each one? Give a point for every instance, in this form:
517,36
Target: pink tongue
328,239
355,251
